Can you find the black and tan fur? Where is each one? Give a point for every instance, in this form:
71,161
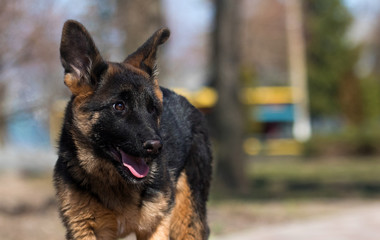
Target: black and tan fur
117,113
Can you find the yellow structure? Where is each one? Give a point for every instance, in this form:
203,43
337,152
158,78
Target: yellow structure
204,98
269,95
272,147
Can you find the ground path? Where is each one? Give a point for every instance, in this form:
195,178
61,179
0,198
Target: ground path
359,223
28,211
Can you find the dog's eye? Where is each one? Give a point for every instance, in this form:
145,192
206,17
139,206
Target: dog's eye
119,106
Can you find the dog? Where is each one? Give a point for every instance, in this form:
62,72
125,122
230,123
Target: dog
133,157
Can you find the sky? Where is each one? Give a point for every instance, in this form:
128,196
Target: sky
365,13
188,18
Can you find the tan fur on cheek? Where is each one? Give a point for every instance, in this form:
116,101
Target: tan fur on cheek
85,121
159,95
158,91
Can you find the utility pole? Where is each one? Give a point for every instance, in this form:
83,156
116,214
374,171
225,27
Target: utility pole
297,69
3,117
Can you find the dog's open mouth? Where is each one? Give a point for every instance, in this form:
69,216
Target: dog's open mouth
136,165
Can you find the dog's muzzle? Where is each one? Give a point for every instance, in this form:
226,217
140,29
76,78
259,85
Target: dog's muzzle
152,147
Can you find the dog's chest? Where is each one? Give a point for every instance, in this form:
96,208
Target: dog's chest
143,218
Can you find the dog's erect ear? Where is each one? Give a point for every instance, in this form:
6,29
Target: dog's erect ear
144,57
80,58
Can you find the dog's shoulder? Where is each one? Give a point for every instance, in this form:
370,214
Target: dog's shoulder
175,103
179,109
179,117
182,126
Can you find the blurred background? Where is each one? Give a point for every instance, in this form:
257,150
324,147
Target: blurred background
291,90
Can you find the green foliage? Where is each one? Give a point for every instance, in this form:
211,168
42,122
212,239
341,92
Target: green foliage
370,87
323,177
329,56
353,141
321,170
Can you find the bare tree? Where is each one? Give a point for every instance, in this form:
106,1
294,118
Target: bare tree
227,116
139,19
28,50
263,41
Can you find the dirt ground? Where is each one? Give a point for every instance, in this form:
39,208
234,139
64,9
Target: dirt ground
27,210
355,223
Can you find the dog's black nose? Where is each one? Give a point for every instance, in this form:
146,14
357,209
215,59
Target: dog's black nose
152,146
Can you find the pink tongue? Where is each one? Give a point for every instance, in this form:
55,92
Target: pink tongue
136,166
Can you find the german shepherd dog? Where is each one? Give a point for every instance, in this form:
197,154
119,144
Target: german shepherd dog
133,157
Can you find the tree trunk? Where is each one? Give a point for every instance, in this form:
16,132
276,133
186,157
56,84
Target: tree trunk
227,121
139,19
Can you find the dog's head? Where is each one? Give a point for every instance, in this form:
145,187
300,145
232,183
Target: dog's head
116,107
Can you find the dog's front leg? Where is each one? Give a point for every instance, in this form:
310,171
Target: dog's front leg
79,223
81,213
80,230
